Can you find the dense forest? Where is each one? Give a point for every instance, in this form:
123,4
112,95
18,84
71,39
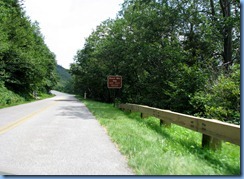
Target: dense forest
26,63
178,55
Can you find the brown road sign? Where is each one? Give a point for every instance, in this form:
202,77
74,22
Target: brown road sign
114,81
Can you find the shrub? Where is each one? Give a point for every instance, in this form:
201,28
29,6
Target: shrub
221,100
8,97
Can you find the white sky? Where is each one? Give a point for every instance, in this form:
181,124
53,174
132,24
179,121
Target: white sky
66,23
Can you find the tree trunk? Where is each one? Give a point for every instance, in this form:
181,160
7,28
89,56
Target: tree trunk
227,33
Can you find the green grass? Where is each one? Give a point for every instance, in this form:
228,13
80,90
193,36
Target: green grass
9,98
154,150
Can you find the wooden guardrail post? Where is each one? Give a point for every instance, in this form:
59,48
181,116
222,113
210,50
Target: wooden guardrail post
165,123
210,142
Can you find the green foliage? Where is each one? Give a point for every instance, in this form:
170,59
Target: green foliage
221,99
26,63
169,53
65,81
154,150
8,97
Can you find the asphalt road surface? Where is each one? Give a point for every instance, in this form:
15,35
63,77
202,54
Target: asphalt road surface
56,136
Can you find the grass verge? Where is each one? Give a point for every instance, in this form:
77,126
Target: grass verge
155,150
12,99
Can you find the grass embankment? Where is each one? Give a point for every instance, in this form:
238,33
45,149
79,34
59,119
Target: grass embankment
9,98
155,150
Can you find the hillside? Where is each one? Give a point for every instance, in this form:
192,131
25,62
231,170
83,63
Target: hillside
26,63
63,73
64,83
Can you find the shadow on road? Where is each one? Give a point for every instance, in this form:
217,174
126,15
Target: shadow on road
75,112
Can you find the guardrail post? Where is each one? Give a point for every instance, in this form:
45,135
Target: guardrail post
165,123
143,115
210,142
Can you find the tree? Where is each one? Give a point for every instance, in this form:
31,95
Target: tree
168,53
26,62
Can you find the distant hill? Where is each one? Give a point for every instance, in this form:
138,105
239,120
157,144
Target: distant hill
63,73
65,82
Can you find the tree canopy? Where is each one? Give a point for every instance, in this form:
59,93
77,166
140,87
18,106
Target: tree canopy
177,55
26,63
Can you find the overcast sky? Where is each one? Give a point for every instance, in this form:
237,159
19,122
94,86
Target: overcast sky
66,23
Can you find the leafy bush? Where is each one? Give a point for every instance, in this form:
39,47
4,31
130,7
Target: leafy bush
8,97
221,100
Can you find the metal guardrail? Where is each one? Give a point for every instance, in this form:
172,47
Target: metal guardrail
213,130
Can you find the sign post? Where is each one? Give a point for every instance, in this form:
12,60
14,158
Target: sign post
114,82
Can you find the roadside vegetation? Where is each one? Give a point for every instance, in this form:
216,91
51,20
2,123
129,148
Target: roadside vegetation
178,55
9,98
64,80
155,150
27,65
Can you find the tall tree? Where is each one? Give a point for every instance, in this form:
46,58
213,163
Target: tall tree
168,53
26,62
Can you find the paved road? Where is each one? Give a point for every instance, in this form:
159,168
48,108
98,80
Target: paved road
56,136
